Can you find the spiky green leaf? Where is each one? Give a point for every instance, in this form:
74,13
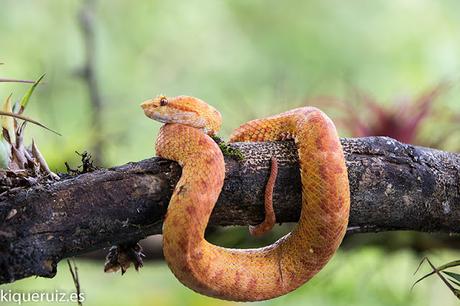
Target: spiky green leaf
25,99
22,117
450,264
437,271
455,276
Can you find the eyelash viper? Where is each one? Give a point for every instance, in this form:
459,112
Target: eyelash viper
248,274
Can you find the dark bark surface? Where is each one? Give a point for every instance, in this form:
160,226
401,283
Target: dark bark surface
393,187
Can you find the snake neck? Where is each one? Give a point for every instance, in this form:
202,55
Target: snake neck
194,197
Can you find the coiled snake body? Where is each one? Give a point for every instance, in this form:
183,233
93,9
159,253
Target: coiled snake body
248,274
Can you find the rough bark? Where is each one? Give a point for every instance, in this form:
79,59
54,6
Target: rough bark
393,187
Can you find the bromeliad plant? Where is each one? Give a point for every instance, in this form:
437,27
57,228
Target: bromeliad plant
365,116
14,156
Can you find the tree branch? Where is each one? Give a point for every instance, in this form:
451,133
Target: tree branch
393,187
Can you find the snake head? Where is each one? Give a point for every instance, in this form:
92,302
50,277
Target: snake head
184,110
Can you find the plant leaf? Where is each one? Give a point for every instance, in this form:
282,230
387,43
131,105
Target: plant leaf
454,282
26,97
453,275
420,108
438,271
455,291
450,264
17,116
8,121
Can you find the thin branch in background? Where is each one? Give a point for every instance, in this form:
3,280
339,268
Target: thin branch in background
8,80
4,80
74,272
88,74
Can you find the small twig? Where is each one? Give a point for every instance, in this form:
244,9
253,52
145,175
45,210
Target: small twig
4,80
74,272
42,162
86,162
362,229
70,170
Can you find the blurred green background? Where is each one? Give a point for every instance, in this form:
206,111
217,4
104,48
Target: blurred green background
249,59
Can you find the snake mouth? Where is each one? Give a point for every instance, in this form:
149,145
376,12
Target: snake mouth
160,118
153,111
150,110
152,114
175,113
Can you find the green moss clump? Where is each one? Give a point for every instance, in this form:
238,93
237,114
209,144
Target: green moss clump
227,150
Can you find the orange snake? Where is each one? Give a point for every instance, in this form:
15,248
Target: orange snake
248,274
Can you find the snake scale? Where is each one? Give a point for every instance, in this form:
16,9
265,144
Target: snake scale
248,274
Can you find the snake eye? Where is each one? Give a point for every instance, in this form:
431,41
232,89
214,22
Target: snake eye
163,101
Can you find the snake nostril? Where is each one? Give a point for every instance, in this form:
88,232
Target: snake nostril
144,105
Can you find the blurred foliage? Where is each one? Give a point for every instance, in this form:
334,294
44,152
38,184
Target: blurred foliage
249,59
403,120
365,277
